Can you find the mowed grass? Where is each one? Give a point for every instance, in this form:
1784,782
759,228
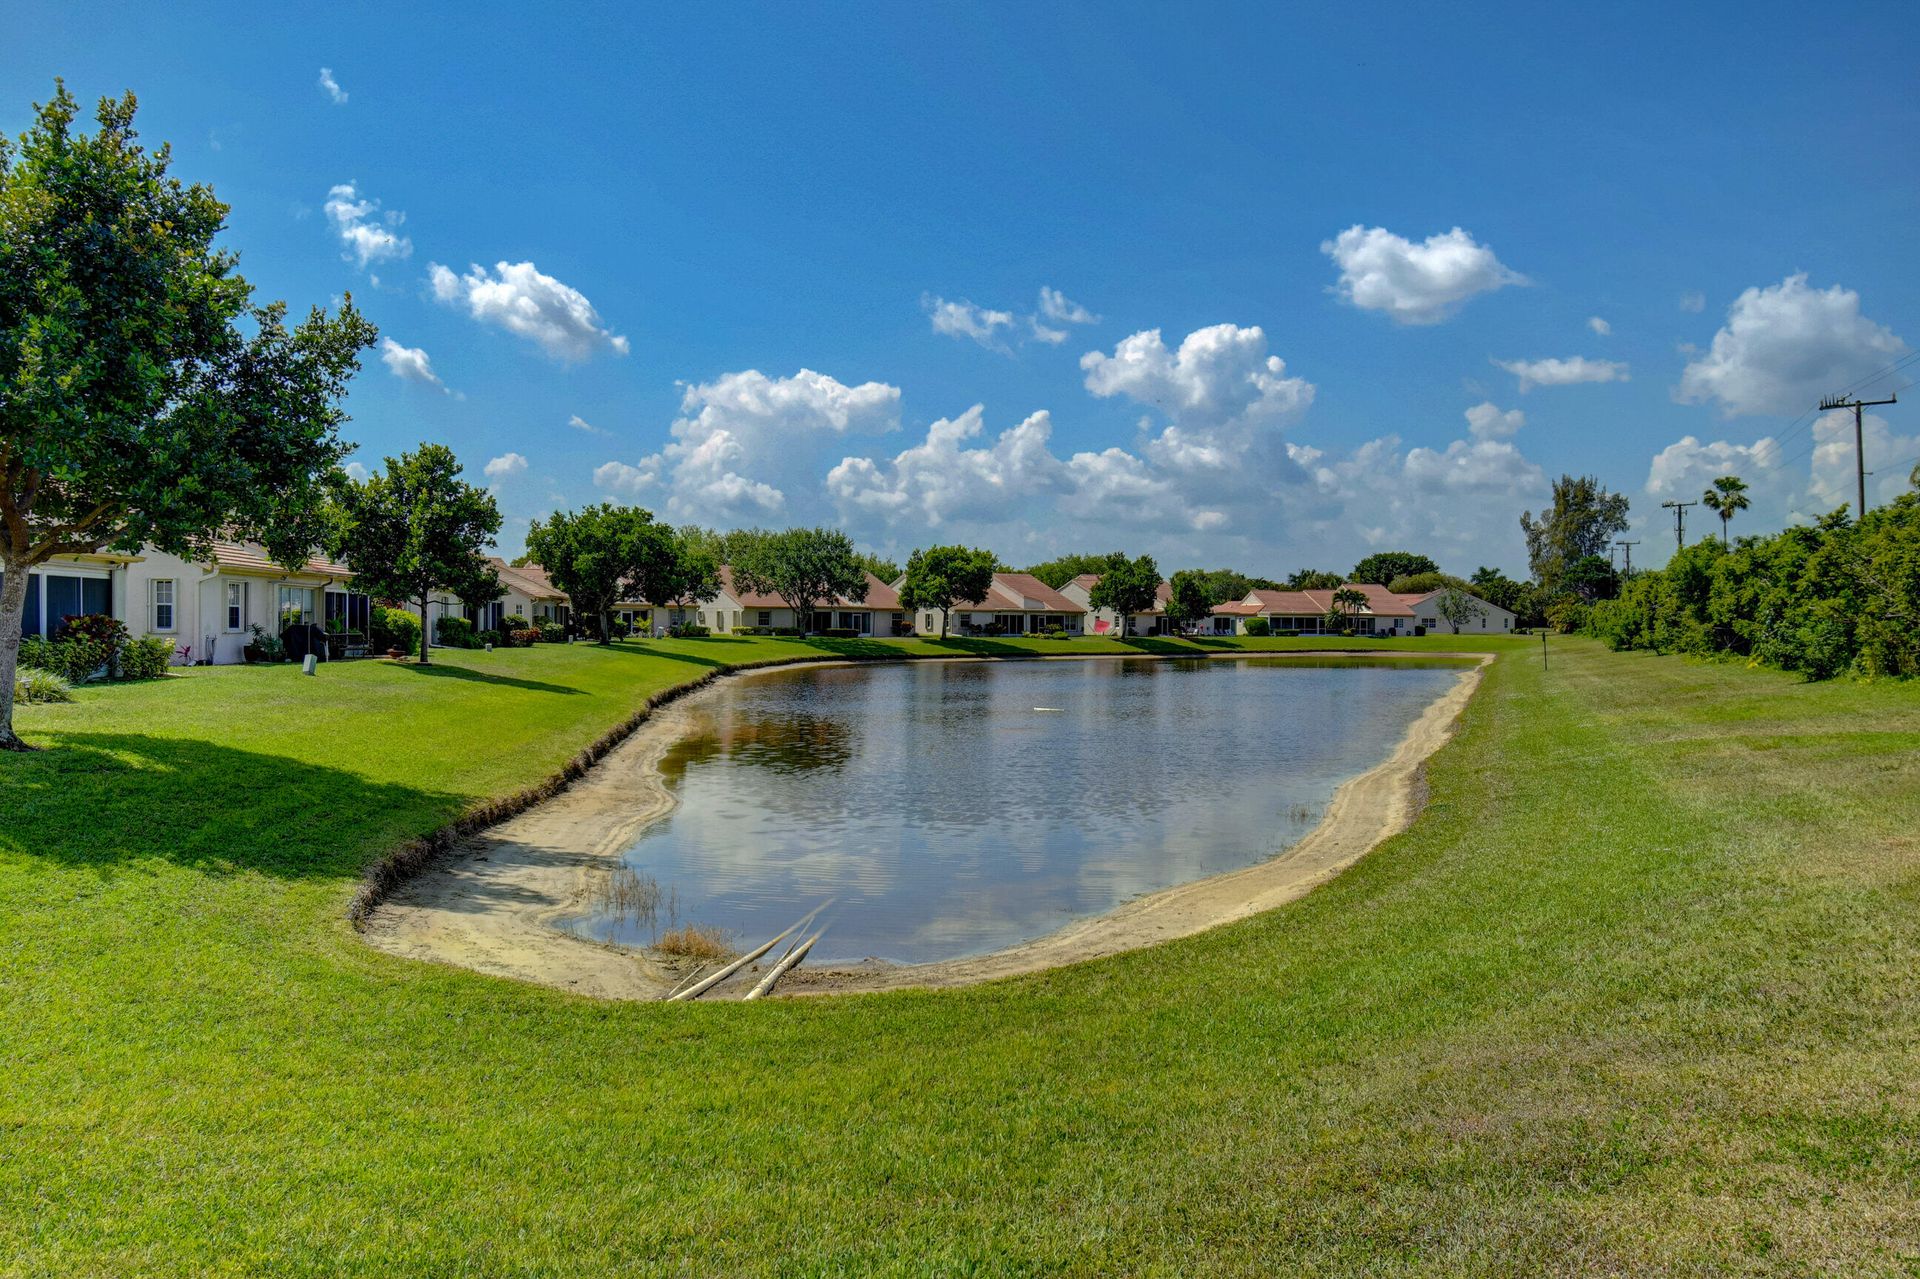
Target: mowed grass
1637,994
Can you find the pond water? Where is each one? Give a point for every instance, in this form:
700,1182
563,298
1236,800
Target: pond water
953,808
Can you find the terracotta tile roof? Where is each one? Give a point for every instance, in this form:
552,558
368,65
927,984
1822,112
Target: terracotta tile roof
1381,602
245,557
529,579
880,596
1010,592
1162,594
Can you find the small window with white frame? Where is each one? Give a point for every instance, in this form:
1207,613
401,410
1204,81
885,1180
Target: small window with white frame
236,606
162,604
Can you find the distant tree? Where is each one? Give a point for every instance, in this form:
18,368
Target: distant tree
1496,588
1128,587
144,397
940,577
1727,496
682,573
1383,566
1459,608
417,528
1058,572
1580,524
1423,583
1313,579
880,566
1590,577
597,554
1190,597
804,566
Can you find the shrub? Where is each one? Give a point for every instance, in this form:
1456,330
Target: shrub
840,632
1419,630
395,628
107,636
454,632
551,632
1568,615
146,658
75,660
494,638
1259,626
524,637
36,684
690,630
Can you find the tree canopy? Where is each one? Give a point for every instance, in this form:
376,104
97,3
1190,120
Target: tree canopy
940,577
1058,572
1725,498
145,399
804,566
1580,525
1382,567
1312,579
598,555
1190,596
416,528
1129,587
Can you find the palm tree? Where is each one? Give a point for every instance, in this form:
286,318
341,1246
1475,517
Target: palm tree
1347,601
1728,494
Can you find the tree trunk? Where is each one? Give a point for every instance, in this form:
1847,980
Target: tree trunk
606,626
945,613
13,611
424,645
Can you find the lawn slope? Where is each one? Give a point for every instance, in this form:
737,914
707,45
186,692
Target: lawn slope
1636,994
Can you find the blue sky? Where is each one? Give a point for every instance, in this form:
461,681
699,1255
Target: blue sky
654,223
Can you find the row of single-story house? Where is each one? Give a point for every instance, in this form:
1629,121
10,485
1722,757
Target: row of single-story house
207,607
211,607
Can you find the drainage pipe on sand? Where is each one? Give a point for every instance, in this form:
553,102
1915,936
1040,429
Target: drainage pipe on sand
774,974
705,984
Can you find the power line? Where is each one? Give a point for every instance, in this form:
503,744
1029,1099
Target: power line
1628,548
1859,440
1679,510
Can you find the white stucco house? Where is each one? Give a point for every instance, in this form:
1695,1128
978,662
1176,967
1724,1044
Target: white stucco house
1487,619
1101,621
1015,604
210,607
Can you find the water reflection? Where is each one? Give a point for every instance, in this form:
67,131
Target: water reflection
953,808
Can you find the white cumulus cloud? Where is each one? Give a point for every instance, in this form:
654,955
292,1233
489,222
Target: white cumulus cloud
519,298
1599,326
356,471
1061,309
1414,283
505,466
579,423
1564,372
331,87
368,235
1487,421
745,439
1783,347
965,320
409,363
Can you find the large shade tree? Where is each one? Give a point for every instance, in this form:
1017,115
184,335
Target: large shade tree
683,572
1382,567
145,398
417,529
804,566
1579,526
940,577
599,555
1191,597
1126,588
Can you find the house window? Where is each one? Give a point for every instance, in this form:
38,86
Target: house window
296,606
236,605
766,617
163,604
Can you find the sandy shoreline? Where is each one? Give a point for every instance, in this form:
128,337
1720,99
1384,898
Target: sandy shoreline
492,905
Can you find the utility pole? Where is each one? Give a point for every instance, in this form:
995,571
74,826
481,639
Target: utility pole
1679,522
1628,548
1859,446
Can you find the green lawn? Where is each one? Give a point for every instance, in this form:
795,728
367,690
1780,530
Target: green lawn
1637,994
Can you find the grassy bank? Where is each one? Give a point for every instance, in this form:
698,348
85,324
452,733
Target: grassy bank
1635,993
